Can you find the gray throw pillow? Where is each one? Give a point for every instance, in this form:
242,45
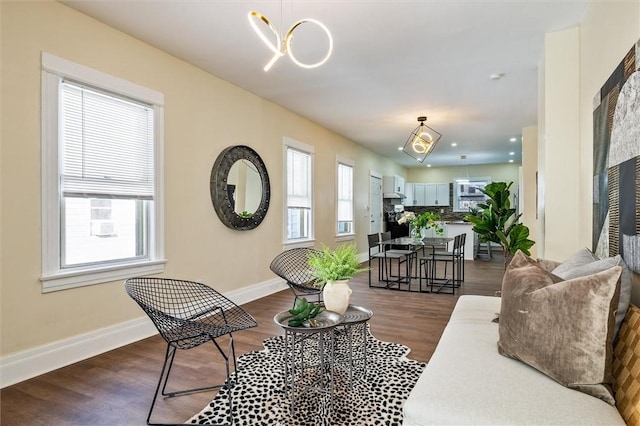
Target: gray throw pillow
578,266
580,258
562,328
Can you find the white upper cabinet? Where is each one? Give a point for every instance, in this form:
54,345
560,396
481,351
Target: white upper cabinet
392,185
408,194
427,194
438,194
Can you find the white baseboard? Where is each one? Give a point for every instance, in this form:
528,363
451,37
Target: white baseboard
24,365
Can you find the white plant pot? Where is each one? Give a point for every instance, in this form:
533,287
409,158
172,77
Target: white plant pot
336,295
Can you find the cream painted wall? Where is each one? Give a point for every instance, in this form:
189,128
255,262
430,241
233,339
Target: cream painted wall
585,57
528,185
609,30
497,172
540,243
1,185
560,143
203,115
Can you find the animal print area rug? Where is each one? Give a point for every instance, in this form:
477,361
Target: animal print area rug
259,396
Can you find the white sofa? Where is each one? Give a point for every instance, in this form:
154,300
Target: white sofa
468,382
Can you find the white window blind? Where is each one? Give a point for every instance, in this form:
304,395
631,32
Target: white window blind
299,179
345,193
299,190
107,145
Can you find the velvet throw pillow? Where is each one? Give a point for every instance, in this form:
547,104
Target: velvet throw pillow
562,328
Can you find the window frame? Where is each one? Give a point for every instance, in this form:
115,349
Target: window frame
351,164
289,143
53,277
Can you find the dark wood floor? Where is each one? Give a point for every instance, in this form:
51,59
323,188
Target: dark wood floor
115,388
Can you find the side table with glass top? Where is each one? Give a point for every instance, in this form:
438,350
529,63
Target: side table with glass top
319,358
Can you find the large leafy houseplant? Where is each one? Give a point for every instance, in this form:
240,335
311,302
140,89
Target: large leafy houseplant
497,222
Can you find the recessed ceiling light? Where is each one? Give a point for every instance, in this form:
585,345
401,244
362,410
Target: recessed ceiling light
454,144
512,153
513,139
497,76
511,161
399,148
428,165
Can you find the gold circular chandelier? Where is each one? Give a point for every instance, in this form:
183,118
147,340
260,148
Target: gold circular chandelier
282,47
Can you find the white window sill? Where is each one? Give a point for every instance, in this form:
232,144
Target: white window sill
298,243
345,237
80,278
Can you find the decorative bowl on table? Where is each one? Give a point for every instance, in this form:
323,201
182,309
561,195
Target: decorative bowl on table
324,320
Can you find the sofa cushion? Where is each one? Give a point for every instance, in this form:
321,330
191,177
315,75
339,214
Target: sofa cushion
626,368
586,263
466,381
562,328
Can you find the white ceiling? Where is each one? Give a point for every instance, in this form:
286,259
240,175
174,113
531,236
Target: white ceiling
392,62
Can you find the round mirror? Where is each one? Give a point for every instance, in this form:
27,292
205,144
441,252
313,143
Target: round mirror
244,187
240,189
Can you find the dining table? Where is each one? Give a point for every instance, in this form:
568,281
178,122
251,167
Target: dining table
414,245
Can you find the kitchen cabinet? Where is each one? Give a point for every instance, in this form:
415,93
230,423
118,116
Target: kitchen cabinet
409,200
393,185
437,194
414,194
427,194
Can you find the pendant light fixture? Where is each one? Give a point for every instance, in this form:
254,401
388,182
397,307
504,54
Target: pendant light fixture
421,141
282,47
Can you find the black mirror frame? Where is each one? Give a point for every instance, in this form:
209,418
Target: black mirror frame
218,187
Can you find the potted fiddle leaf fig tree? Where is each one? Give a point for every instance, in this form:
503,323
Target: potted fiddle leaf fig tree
334,269
497,222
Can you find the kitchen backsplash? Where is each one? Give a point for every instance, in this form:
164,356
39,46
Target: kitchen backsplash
448,213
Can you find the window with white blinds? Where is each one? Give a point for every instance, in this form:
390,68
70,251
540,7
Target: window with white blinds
344,199
299,192
107,146
101,177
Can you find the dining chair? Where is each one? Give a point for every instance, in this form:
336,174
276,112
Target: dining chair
188,314
381,251
293,266
406,253
456,258
376,252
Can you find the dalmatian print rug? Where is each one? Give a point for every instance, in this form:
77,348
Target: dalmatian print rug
259,397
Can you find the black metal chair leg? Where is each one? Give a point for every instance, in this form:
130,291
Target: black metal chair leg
160,381
166,371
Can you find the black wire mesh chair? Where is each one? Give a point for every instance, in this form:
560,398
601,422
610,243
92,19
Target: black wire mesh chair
293,266
188,314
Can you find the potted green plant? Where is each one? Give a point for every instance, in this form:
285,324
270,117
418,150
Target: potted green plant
496,221
334,269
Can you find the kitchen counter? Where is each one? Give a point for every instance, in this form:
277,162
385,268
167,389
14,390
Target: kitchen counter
456,227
